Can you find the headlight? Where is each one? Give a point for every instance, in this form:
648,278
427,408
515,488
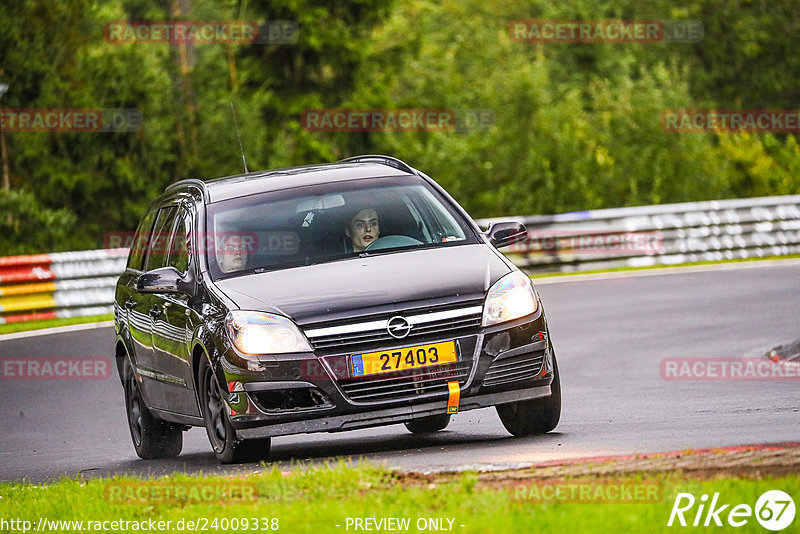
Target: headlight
264,333
510,298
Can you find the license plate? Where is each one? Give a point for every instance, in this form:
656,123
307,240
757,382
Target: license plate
386,361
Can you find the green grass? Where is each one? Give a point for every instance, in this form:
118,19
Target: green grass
51,323
317,499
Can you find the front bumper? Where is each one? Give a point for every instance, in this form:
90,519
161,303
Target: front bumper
304,393
341,423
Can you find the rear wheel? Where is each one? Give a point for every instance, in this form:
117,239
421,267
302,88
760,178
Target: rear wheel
152,438
228,448
426,425
536,416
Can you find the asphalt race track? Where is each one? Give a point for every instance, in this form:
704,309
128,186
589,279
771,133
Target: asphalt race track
610,336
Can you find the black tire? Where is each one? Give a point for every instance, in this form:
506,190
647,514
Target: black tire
152,438
536,416
426,425
228,448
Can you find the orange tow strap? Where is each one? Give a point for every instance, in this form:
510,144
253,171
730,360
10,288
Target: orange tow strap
455,395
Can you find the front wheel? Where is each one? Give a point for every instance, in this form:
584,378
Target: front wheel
152,438
427,425
535,416
228,448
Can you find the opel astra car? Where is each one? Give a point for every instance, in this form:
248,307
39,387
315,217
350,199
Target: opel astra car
324,298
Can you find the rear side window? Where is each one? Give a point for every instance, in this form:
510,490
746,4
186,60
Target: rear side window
158,244
140,239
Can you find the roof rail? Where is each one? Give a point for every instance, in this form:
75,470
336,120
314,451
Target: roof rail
385,160
190,182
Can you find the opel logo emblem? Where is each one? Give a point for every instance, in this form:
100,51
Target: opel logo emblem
398,327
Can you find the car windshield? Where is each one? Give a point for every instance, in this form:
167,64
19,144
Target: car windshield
317,224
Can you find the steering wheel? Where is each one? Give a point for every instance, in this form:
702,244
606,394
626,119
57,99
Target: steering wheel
392,241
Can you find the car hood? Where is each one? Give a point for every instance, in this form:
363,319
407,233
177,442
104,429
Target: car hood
365,285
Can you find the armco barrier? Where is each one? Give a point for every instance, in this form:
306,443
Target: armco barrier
665,234
69,284
62,284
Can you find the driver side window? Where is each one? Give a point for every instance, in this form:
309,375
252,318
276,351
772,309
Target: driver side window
180,244
158,244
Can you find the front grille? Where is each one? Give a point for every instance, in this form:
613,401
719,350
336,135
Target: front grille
355,337
514,369
407,384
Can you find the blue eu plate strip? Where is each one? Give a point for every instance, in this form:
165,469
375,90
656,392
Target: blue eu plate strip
358,365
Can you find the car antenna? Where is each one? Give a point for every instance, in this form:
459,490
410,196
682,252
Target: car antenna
236,124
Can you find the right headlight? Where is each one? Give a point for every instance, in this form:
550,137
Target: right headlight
509,298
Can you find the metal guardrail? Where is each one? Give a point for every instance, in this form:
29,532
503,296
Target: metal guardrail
665,234
61,284
70,284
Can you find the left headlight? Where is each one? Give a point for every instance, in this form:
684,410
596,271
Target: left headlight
264,333
510,298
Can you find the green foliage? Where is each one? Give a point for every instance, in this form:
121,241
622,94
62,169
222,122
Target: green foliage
26,225
577,126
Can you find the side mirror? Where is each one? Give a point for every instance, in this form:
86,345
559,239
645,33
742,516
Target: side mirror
502,234
165,280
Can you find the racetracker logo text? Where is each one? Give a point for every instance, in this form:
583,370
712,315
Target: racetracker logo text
731,120
201,31
701,369
589,491
397,120
606,31
70,120
188,492
55,368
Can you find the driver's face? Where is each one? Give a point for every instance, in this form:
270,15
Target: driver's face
234,255
363,229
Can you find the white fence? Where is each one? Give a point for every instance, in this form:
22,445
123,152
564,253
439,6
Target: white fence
659,235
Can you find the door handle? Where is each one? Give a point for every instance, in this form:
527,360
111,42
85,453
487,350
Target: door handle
155,312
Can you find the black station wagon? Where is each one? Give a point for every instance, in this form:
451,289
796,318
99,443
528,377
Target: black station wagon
324,298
